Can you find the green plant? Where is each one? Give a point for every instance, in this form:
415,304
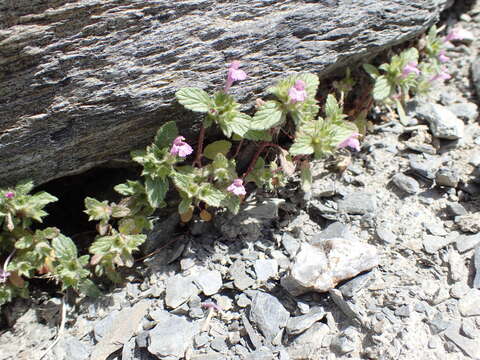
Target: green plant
120,228
212,179
411,72
28,253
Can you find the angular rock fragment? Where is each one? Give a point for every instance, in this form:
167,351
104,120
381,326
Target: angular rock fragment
469,347
308,344
443,123
447,177
358,203
469,305
172,336
406,183
467,242
178,290
321,266
268,314
209,281
298,324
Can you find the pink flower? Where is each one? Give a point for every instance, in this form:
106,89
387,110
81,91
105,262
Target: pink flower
180,147
297,92
9,194
234,74
351,142
411,67
4,276
443,75
442,57
237,187
457,33
211,305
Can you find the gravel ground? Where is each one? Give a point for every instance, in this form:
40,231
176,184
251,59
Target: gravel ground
403,220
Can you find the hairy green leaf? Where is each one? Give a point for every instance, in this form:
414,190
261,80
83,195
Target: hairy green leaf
382,89
166,134
194,99
258,135
302,146
371,70
97,210
156,189
211,195
269,115
64,247
217,147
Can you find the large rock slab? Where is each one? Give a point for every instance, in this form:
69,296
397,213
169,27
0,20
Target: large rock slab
86,81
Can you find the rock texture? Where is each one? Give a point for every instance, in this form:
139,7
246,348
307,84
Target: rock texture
86,81
321,266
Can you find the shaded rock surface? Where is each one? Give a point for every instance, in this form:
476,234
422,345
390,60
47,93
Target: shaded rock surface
85,82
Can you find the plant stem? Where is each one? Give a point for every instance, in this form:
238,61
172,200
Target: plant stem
198,156
237,151
257,154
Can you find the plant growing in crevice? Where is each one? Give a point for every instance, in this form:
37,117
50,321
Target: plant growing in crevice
26,252
412,72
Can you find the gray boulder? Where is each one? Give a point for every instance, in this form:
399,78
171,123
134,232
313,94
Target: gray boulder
85,82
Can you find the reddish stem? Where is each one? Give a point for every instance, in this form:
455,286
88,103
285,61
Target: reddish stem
257,154
198,156
239,146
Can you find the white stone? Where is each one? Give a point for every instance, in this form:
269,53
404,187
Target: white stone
322,266
469,305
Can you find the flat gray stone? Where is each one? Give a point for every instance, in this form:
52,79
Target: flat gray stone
266,269
69,348
240,278
432,243
385,235
425,168
290,244
172,336
468,346
178,290
309,344
264,353
467,242
348,308
298,324
268,314
104,326
353,286
443,123
359,203
209,281
219,344
406,183
333,231
466,111
447,177
469,304
456,209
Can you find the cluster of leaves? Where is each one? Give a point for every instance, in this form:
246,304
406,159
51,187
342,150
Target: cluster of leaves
27,253
312,135
409,73
211,181
120,228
